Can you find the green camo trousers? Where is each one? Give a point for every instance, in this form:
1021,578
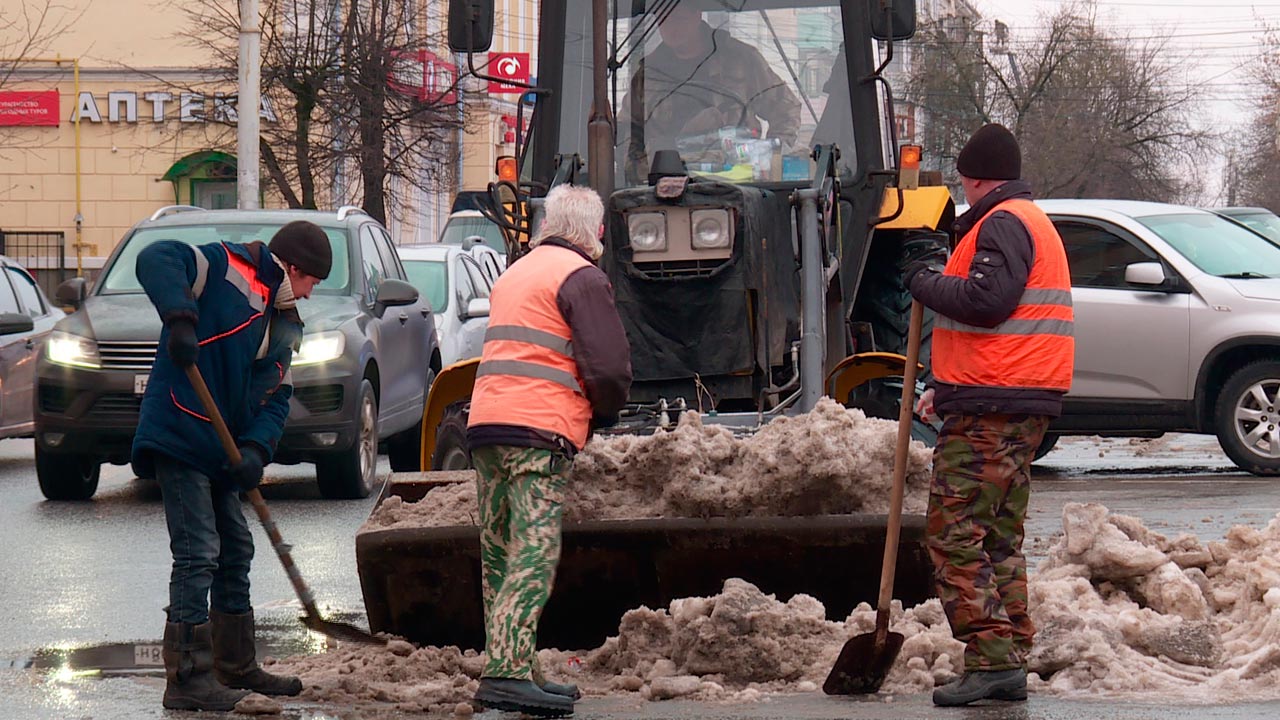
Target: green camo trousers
977,504
520,491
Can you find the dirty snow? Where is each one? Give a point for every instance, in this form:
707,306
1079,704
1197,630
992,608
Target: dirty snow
832,460
1121,611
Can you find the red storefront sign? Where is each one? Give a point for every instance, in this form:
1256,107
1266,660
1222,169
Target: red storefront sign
29,107
426,76
509,68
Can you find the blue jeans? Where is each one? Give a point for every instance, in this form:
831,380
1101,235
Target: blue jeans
210,541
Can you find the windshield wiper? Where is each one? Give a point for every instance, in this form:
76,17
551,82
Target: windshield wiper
1245,275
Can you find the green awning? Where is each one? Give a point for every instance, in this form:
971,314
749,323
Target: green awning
188,165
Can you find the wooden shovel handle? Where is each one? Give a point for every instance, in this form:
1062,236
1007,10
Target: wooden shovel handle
889,564
255,497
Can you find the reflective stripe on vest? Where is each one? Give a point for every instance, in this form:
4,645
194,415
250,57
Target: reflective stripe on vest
527,375
1034,347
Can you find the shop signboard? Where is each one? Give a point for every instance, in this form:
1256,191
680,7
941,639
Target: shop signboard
29,108
511,70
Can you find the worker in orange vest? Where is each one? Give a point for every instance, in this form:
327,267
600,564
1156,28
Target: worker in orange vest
556,361
1002,358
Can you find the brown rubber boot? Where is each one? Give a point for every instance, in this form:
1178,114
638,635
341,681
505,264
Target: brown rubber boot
234,657
188,671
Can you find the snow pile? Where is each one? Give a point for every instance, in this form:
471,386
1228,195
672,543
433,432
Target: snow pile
398,676
742,643
1122,610
832,460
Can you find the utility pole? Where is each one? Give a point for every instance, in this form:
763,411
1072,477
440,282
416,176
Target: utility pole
250,94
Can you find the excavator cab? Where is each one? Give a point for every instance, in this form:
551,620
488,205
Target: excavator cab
754,211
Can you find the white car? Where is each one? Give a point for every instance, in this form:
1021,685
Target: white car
456,282
463,225
1177,327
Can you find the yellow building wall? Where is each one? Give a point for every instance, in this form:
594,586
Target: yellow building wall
121,162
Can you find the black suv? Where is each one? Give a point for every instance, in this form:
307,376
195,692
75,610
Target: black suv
368,356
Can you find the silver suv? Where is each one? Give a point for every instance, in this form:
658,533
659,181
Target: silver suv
1177,327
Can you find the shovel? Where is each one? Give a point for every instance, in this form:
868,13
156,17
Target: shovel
336,630
865,659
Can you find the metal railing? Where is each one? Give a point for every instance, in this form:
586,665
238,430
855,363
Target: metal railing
42,252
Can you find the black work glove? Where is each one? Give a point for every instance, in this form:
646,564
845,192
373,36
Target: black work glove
248,473
183,347
925,251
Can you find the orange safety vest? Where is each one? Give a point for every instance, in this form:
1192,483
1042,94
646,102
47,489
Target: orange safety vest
1034,347
527,375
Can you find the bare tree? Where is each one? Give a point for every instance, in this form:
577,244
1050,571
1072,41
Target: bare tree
1097,114
326,64
1258,169
26,31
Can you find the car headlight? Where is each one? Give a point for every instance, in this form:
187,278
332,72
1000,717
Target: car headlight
75,350
648,232
320,347
711,229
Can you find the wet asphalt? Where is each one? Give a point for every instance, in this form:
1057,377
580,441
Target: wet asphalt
82,585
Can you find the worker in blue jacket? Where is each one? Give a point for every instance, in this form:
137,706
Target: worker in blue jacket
229,309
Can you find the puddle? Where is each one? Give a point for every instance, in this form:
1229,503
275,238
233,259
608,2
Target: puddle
277,636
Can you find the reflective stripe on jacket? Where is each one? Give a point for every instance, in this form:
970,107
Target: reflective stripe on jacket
527,374
1035,346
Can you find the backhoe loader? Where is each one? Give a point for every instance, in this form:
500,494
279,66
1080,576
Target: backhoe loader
754,252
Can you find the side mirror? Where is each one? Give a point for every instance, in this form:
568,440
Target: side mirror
11,323
476,308
470,25
394,293
71,293
896,23
1145,273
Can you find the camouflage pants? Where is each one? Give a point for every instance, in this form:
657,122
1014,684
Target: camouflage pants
520,491
977,504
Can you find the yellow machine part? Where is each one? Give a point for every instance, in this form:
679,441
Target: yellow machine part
923,208
863,367
453,384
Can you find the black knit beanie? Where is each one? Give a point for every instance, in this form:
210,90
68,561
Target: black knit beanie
991,154
304,245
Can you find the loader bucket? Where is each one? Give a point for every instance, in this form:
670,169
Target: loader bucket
424,583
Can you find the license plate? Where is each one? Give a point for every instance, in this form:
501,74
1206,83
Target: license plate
147,655
140,384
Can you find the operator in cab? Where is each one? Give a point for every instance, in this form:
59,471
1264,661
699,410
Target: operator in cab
699,81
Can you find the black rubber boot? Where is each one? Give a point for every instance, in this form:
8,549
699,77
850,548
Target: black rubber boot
570,691
983,685
512,695
235,658
188,670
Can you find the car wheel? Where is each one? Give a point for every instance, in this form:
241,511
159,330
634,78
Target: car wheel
404,449
1046,446
351,473
1247,418
67,476
451,451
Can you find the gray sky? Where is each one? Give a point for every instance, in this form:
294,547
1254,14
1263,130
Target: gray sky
1212,39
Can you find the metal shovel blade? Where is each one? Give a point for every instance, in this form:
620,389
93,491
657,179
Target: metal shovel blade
863,665
340,630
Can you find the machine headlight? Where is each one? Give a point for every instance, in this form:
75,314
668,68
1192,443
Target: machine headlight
648,231
320,347
711,229
74,350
